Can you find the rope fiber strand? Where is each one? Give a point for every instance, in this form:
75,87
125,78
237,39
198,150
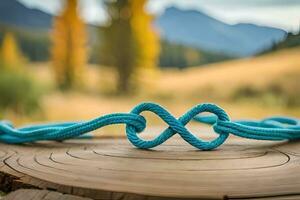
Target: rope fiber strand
274,128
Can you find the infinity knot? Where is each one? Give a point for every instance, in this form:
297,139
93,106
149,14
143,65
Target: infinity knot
177,126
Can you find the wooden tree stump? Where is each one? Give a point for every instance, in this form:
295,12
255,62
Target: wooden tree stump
114,169
31,194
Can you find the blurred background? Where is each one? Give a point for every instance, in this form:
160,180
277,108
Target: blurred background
74,60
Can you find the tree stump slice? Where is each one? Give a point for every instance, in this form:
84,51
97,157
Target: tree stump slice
31,194
106,168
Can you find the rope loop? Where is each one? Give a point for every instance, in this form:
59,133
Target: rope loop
177,126
274,128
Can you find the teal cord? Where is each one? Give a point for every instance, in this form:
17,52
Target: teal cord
275,128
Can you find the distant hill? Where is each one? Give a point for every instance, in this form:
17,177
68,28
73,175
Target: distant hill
271,79
194,28
291,40
181,56
14,13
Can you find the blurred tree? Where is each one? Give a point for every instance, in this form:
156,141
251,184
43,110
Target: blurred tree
147,42
129,42
69,51
10,55
118,46
18,92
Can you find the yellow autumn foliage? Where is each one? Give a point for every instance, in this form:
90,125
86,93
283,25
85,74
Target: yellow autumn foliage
147,41
10,55
69,50
145,35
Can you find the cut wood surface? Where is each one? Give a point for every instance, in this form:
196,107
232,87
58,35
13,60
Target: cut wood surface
33,194
113,169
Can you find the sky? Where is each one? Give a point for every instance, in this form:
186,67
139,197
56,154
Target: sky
283,14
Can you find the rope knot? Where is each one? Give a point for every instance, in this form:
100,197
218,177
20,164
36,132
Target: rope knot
177,126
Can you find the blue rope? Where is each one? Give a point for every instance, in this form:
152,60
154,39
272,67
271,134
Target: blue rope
275,128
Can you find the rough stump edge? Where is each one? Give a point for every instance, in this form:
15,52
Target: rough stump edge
12,181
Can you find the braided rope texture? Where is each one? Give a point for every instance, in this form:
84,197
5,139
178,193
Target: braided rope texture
274,128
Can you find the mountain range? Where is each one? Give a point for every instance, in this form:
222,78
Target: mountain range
16,14
195,28
188,27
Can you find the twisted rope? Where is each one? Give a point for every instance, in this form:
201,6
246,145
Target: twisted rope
275,128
